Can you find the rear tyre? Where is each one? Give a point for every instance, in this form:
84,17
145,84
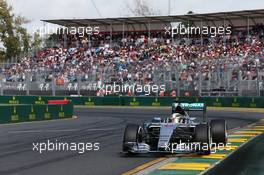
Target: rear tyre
219,131
132,134
203,136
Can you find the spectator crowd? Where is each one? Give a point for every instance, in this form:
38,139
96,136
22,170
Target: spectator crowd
139,59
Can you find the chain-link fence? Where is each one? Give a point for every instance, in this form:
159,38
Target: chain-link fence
35,80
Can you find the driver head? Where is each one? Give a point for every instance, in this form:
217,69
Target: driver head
179,110
175,118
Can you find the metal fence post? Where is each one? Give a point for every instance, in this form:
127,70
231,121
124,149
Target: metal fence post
258,88
200,82
1,86
53,84
178,82
27,82
78,85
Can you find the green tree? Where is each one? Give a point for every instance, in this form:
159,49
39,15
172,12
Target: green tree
22,33
36,41
13,35
51,40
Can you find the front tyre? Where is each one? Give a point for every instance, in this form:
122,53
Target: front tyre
132,134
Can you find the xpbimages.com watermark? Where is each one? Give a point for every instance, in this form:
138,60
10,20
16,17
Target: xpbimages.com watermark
196,146
61,30
195,30
57,146
125,88
110,88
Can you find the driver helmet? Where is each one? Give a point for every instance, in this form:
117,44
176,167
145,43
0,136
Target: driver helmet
175,118
179,110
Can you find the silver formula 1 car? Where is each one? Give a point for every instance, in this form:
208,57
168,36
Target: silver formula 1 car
178,133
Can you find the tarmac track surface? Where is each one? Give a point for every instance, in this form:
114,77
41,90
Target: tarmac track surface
102,125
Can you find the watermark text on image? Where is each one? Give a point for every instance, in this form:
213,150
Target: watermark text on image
57,146
194,146
196,30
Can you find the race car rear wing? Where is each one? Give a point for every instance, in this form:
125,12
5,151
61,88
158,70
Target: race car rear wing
191,107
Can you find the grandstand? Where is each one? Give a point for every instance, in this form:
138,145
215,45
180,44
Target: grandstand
138,50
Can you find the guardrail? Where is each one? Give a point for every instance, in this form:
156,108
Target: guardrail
247,102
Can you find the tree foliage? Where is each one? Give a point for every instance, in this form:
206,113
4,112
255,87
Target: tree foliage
36,41
141,8
13,36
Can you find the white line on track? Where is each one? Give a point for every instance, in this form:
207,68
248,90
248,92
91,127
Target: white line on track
59,130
